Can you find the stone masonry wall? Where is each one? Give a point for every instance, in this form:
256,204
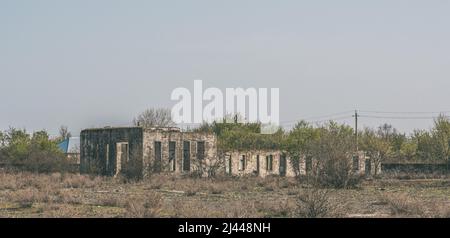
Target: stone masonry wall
251,164
166,136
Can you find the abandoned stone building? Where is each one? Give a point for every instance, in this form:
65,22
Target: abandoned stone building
139,152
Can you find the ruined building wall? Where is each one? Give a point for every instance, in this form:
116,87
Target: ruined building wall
100,149
139,152
244,163
184,151
366,165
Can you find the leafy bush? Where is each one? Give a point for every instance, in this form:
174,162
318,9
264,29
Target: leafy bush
330,147
242,136
36,152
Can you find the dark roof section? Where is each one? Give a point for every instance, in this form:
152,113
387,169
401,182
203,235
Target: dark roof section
111,128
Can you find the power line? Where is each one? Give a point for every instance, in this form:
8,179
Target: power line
399,117
330,119
318,117
293,122
406,112
319,121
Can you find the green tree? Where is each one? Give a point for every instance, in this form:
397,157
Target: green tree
390,135
441,138
35,153
332,152
408,150
235,135
298,143
2,139
425,145
17,144
377,147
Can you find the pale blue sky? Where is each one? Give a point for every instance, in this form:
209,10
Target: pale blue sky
95,63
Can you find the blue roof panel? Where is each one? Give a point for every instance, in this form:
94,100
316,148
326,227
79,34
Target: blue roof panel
64,145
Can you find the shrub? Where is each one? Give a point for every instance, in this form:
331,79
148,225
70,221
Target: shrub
190,192
330,148
80,181
402,204
314,203
26,197
67,197
46,162
269,188
149,206
215,189
274,209
111,201
35,153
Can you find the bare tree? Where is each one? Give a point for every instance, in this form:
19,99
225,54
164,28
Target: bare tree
64,133
154,117
385,131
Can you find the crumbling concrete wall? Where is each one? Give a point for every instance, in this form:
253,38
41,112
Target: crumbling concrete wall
234,166
209,164
245,163
98,151
365,163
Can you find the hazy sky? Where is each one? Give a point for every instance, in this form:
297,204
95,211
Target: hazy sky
96,63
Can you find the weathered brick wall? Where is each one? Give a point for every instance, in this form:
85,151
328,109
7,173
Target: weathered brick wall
166,136
98,150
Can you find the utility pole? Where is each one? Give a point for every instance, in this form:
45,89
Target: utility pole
356,129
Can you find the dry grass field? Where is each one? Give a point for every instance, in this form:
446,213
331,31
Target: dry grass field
74,195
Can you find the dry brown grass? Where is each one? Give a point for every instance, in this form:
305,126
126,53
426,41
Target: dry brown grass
227,209
74,195
403,205
148,206
439,210
27,197
282,208
112,201
80,181
68,197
